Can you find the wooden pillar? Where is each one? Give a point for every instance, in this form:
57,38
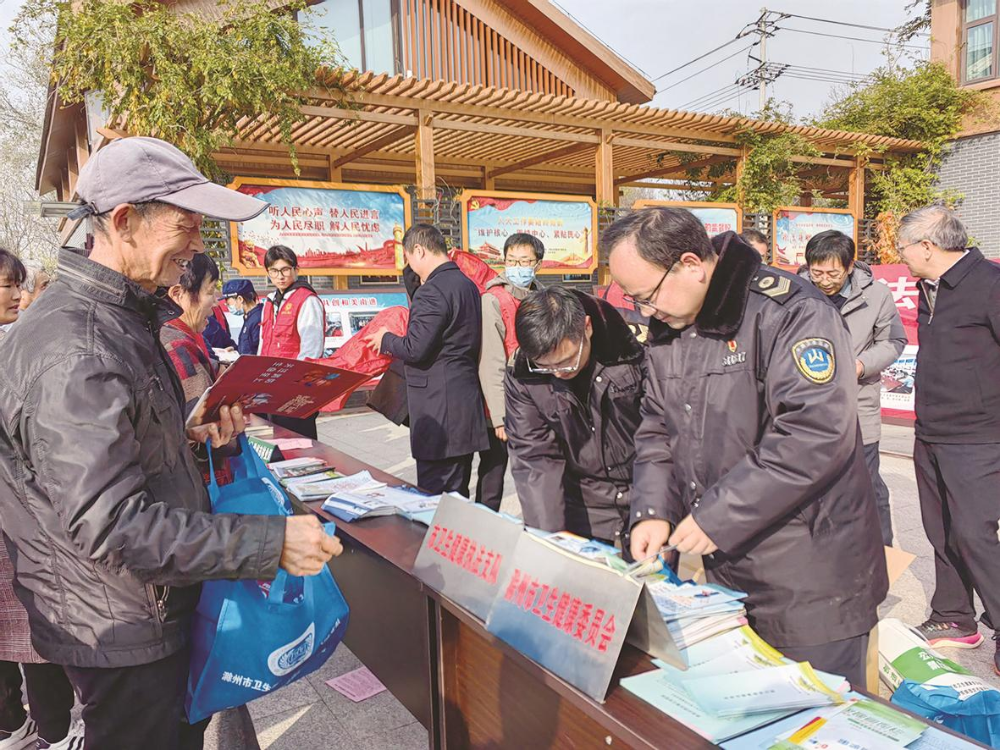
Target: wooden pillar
82,142
856,191
740,160
489,183
336,174
806,200
425,156
340,283
606,193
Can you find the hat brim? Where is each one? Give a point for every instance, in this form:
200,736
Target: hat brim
216,201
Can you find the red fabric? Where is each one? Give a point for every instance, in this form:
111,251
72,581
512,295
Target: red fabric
280,338
220,316
615,296
508,311
357,356
474,267
15,635
905,294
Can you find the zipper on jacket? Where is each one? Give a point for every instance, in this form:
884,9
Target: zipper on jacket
930,305
160,593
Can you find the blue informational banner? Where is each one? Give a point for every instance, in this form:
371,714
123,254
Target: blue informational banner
795,226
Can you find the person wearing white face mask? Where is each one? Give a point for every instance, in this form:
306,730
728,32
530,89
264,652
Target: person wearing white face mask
522,255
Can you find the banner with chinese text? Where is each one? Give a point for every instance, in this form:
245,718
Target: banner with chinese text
566,225
716,217
897,379
335,229
793,227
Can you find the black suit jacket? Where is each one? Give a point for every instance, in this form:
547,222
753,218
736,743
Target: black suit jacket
441,356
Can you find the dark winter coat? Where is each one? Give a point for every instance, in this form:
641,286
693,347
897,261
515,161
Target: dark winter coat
572,463
441,356
101,500
750,424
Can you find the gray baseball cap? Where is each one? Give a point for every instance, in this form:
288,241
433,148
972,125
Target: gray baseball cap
139,169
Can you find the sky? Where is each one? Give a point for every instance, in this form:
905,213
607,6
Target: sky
659,35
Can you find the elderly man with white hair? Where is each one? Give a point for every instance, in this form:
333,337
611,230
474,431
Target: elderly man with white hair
957,451
35,282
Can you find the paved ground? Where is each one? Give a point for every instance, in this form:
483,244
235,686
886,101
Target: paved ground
312,715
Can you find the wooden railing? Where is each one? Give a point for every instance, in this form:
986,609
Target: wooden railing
444,41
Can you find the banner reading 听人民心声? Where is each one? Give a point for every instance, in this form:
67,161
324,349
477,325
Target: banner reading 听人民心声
794,226
715,217
566,225
334,229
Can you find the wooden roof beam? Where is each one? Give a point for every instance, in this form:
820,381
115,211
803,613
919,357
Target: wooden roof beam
379,143
540,159
688,148
671,171
482,127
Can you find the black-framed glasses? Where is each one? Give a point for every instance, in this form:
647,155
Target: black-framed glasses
283,271
649,302
520,263
532,367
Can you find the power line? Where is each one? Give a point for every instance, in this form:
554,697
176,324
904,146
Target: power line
827,71
709,95
852,38
700,57
728,57
724,94
838,23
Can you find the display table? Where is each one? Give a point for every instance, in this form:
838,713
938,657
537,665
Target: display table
468,688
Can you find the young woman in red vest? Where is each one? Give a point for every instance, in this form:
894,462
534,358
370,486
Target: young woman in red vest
522,256
293,322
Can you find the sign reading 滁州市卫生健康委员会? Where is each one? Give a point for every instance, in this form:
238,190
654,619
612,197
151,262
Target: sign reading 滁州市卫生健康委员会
334,229
565,224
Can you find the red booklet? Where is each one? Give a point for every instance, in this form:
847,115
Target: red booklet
274,385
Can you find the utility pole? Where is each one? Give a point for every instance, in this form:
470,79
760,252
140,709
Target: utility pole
762,35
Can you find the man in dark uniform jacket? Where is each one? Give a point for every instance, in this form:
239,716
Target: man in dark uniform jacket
441,356
749,451
573,396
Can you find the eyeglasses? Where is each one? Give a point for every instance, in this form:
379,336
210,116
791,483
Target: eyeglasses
283,271
532,367
901,248
831,275
649,303
522,263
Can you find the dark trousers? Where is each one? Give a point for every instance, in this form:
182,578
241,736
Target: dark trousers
50,698
492,467
846,657
959,505
304,427
137,707
881,493
445,475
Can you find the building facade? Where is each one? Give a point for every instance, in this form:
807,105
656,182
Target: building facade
964,37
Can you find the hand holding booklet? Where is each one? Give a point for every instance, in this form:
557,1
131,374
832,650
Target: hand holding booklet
274,385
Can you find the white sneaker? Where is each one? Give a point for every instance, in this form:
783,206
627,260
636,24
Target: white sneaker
20,739
72,741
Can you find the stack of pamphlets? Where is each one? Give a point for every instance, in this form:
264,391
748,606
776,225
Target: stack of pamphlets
578,545
738,653
694,612
860,724
295,469
789,687
325,487
368,501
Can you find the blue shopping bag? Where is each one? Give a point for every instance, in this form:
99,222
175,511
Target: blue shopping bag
252,637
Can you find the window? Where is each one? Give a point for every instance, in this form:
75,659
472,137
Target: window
367,32
980,26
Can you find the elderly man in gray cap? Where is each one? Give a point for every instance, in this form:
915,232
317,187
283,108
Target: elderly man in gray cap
103,507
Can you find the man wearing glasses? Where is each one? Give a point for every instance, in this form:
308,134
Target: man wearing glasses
749,451
522,255
877,338
573,395
292,324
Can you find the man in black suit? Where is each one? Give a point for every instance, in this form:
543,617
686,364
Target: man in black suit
441,354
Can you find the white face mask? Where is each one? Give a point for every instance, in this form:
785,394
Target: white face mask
520,276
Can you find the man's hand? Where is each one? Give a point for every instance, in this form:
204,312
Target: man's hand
501,433
231,423
648,537
859,368
691,540
307,546
374,340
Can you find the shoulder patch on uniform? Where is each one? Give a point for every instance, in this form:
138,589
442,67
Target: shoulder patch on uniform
776,286
814,359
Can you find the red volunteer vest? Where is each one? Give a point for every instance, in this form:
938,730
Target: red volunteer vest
280,337
508,309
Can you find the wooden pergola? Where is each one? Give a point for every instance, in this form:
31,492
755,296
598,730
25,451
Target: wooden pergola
433,133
